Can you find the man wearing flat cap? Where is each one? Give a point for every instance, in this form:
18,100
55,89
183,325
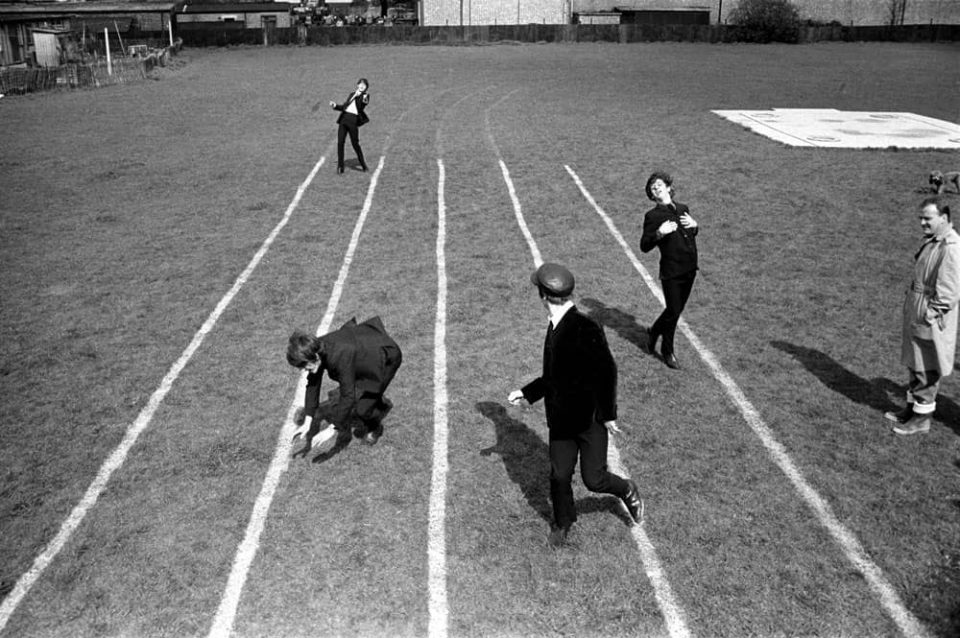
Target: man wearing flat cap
579,389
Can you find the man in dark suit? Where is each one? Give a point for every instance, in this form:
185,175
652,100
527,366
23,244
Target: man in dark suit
579,388
670,227
352,117
363,359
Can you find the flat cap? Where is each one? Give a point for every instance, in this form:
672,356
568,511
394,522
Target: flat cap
554,279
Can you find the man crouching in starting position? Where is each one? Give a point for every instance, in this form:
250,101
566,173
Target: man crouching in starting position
363,359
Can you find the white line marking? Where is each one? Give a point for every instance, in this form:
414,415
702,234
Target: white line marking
436,550
537,259
909,625
672,612
651,564
119,454
247,550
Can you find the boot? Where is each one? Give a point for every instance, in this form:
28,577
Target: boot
916,424
900,416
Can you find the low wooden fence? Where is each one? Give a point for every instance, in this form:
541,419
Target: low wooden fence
622,33
16,80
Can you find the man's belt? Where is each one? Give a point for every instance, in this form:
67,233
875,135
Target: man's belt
917,286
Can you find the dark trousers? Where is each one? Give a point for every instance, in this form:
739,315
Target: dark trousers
348,126
676,291
591,447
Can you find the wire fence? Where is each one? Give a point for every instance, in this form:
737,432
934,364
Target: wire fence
19,80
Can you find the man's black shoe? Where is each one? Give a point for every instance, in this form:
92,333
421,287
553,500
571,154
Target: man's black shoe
671,361
558,536
634,503
373,435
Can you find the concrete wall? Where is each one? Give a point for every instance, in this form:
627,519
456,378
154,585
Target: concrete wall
495,12
847,12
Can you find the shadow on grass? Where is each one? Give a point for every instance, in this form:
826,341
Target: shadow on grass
873,393
624,324
525,456
527,460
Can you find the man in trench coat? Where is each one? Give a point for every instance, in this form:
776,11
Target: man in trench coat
929,318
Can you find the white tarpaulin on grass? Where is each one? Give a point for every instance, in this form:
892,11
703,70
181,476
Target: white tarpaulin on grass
848,129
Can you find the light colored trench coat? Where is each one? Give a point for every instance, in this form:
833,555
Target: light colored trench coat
930,308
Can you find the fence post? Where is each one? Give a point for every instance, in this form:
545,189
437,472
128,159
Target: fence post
106,39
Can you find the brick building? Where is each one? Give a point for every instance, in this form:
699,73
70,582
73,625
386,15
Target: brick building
846,12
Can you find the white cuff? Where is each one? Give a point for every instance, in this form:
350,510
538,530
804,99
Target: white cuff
924,408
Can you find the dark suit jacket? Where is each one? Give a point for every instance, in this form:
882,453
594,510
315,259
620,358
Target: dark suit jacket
579,381
363,359
678,250
361,105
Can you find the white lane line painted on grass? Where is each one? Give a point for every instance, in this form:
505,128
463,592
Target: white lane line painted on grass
908,624
651,564
119,454
436,550
672,612
247,550
517,210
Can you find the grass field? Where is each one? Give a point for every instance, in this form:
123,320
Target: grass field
128,214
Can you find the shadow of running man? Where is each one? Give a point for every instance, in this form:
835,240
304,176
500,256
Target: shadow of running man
624,324
873,393
525,457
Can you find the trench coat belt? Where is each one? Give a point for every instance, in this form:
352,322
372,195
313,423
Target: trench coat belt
917,286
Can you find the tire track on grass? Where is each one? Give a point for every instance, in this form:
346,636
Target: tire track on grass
908,624
672,612
119,455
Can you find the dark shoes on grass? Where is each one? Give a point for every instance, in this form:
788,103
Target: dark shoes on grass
634,503
559,536
908,422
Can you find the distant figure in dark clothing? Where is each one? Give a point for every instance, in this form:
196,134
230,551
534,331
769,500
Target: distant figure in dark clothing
352,117
669,227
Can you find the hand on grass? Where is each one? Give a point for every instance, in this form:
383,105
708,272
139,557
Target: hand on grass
515,397
612,427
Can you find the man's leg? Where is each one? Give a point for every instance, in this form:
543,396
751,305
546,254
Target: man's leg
676,292
341,141
922,394
355,142
563,461
597,478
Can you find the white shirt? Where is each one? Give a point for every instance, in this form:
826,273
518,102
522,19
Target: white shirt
352,106
557,312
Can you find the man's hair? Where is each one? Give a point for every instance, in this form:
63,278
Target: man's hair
303,349
663,176
552,299
942,208
364,80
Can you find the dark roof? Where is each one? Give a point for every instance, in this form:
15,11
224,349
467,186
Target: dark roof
25,9
237,7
